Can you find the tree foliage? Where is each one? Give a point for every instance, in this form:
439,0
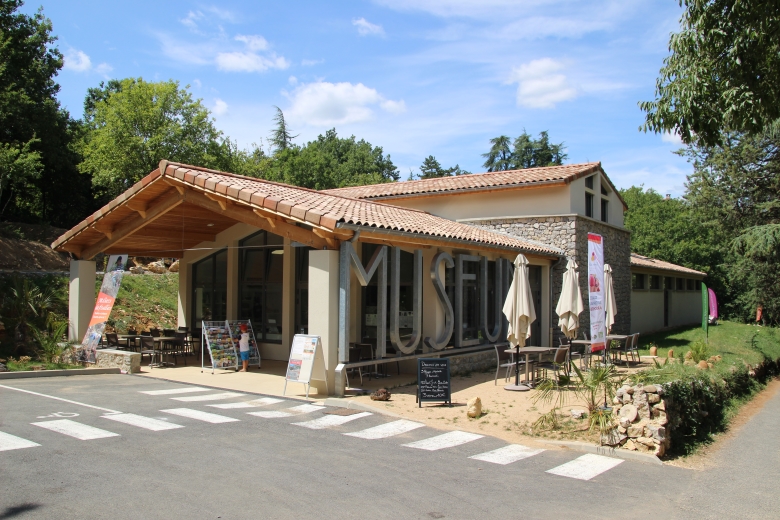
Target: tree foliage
431,169
281,137
133,124
327,162
523,152
38,176
722,73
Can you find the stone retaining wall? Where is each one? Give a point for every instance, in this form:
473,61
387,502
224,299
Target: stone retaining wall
127,362
643,422
473,362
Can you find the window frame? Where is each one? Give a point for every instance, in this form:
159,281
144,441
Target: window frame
265,286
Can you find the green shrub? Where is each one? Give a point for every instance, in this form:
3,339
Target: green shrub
700,351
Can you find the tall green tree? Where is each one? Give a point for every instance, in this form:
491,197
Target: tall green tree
132,124
330,162
281,136
431,169
499,157
735,190
533,153
722,73
39,181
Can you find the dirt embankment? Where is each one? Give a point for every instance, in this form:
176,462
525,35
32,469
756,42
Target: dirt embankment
27,247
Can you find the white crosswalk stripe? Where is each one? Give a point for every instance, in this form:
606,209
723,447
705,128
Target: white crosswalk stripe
446,440
305,408
75,429
200,416
387,430
174,391
585,467
507,454
147,423
12,442
271,414
329,421
263,401
207,397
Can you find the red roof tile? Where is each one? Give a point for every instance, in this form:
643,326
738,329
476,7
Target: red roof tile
652,263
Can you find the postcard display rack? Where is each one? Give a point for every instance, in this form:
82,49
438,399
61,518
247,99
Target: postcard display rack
222,338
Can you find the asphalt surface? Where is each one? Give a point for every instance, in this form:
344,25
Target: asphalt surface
272,468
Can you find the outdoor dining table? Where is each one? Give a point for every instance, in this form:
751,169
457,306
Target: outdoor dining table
160,340
527,351
128,338
610,337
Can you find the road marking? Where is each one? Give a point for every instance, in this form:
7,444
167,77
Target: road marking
148,423
507,454
271,414
230,406
60,399
200,416
305,408
329,421
173,391
265,401
75,429
585,467
12,442
387,430
447,440
209,397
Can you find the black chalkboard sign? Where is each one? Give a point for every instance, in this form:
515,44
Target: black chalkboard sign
433,380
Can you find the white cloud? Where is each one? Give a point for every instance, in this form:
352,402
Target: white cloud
77,60
197,83
309,63
292,80
220,107
196,18
249,62
192,19
325,104
253,42
541,85
366,28
104,69
672,138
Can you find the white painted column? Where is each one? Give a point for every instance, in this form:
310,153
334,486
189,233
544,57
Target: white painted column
232,280
288,298
324,309
184,297
81,297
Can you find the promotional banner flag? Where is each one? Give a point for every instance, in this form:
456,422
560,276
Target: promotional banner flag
598,330
115,269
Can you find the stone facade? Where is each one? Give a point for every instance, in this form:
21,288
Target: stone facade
472,362
642,420
127,362
569,233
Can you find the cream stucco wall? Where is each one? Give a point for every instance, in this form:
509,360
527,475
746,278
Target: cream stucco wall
647,305
647,310
577,192
684,308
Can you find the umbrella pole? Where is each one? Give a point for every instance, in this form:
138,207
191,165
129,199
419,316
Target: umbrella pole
517,365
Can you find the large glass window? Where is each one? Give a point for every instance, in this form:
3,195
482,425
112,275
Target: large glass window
638,281
302,290
209,290
589,205
261,268
604,210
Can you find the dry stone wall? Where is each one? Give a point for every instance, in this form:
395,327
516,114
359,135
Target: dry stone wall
642,420
569,233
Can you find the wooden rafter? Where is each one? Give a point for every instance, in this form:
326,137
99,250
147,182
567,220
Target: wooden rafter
248,216
156,209
139,207
271,221
219,200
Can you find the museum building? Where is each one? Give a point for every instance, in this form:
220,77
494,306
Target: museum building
412,268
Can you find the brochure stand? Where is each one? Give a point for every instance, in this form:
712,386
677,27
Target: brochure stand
306,362
222,350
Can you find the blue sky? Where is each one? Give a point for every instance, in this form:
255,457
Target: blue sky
417,77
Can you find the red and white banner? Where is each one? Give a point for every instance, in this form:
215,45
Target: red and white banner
598,329
115,269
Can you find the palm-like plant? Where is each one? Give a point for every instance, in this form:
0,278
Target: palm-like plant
50,342
23,305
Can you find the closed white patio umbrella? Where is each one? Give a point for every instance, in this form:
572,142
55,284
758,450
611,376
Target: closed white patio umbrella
610,307
570,303
519,310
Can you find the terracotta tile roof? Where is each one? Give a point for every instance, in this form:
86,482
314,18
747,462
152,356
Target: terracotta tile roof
478,181
652,263
325,210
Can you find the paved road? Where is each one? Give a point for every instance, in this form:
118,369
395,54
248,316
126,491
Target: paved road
147,448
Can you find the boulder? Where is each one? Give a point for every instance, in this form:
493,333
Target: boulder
653,398
174,268
137,270
612,438
157,267
638,429
670,354
646,441
688,355
657,433
625,422
630,445
660,406
630,390
651,389
627,398
703,365
654,351
659,450
381,395
629,412
474,407
3,368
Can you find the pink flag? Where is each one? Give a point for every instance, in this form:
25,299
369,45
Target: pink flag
713,304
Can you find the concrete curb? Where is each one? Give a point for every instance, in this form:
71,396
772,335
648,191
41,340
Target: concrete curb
352,405
647,458
54,373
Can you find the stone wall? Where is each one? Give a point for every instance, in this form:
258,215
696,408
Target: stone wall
569,233
643,422
473,362
127,362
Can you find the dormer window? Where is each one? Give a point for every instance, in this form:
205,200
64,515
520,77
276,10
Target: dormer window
589,182
589,196
604,202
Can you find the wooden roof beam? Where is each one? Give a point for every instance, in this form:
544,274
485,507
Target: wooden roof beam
155,210
248,216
